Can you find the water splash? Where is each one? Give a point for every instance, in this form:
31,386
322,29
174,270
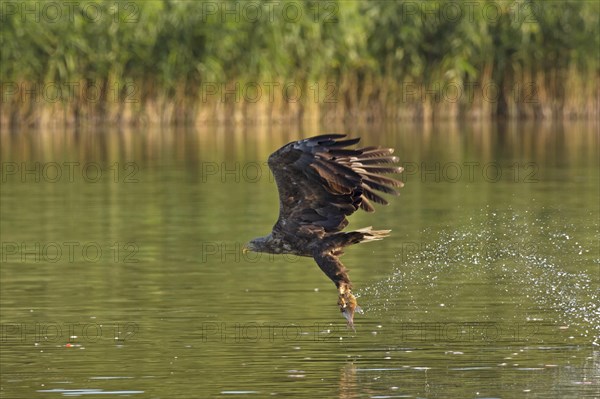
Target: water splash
537,256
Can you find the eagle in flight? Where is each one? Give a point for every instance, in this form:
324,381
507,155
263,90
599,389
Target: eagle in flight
320,182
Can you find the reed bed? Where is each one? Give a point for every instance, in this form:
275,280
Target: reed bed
187,62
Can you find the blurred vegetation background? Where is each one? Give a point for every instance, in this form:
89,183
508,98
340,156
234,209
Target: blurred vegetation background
186,62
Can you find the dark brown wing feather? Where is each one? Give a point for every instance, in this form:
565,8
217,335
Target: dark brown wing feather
321,181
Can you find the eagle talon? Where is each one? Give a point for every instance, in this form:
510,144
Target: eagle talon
348,306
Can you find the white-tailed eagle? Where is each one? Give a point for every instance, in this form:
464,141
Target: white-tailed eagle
320,182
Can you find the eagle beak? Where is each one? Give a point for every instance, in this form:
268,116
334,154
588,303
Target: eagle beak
245,249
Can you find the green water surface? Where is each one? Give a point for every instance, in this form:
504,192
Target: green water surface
122,271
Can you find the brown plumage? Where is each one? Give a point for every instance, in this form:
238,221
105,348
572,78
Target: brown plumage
320,182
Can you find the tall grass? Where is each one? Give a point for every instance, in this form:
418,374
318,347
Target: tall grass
163,61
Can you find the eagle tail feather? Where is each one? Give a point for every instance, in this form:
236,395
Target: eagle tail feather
366,234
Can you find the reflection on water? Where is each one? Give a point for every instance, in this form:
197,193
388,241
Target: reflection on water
81,392
122,272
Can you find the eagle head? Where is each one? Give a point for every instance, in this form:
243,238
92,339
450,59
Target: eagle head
260,244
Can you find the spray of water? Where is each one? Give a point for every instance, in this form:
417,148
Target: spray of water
535,256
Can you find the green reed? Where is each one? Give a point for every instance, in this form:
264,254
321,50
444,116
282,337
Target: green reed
162,61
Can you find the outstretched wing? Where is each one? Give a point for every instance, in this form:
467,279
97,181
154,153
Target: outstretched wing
321,181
